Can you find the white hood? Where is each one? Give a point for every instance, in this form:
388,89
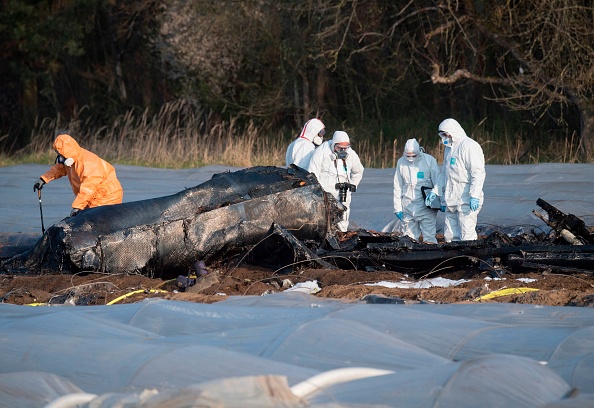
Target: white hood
311,128
453,128
412,146
340,137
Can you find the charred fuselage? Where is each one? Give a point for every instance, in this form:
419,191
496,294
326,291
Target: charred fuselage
165,236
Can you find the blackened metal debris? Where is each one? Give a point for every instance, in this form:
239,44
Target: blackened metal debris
367,250
165,236
281,219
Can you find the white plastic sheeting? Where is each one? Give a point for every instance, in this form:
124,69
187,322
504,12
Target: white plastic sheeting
252,350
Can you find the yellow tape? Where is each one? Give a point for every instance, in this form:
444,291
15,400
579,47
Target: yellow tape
116,300
505,292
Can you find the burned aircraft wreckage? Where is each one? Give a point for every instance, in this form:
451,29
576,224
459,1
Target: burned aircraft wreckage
163,236
279,218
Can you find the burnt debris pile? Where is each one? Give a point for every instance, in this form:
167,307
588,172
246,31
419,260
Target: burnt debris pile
567,248
166,236
282,219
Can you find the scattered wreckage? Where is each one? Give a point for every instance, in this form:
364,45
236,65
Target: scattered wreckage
567,248
282,219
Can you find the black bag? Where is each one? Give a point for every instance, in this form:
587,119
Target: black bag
435,204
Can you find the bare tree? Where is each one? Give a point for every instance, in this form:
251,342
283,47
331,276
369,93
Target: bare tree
368,67
536,54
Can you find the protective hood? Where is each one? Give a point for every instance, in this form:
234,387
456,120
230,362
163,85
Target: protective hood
67,146
412,146
340,137
453,128
311,128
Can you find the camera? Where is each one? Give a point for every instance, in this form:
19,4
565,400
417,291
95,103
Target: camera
342,190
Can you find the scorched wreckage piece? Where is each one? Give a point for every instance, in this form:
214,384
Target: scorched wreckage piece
372,251
282,219
165,236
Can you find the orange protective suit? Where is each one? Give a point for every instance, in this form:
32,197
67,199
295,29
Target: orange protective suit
93,180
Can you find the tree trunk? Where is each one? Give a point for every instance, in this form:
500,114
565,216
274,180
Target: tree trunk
306,100
587,131
116,55
321,89
30,99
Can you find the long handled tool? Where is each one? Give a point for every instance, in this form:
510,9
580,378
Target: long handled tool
41,210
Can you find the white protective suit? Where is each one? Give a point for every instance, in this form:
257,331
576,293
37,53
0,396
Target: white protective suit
330,170
300,150
461,177
408,179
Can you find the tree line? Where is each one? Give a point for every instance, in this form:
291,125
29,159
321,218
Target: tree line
525,65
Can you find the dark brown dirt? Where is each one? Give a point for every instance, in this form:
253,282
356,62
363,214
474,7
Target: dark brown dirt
100,289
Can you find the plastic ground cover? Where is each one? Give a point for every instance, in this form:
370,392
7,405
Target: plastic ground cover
260,351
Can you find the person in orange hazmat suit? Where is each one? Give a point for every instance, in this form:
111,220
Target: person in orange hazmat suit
93,180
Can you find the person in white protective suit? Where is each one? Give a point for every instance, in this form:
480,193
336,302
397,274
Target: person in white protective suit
460,182
335,163
415,170
300,150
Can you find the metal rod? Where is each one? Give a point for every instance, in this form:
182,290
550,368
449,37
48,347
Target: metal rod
41,210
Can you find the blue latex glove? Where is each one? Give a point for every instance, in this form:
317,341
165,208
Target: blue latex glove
430,199
474,203
399,215
442,208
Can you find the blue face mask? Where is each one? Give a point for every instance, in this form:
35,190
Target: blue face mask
446,139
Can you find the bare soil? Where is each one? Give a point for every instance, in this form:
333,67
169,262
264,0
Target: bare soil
222,282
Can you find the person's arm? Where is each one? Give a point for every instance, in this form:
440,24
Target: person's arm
356,170
476,168
398,181
439,186
315,163
304,157
55,172
439,183
289,154
433,170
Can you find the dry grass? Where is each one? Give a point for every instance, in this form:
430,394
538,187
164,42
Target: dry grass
176,137
181,136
